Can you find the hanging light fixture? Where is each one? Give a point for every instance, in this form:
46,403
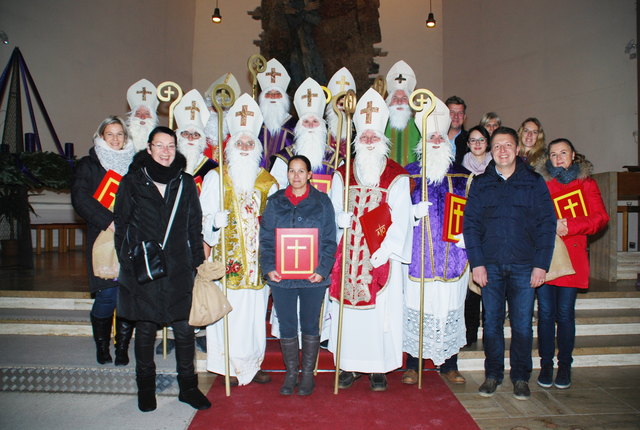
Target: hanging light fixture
431,21
216,17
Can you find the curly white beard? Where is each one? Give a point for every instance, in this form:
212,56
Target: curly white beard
274,114
139,133
438,161
312,143
211,128
243,169
192,152
370,164
399,116
332,122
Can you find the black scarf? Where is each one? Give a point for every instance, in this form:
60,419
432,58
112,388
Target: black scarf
159,173
562,175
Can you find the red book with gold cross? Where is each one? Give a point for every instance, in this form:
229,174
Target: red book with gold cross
106,192
453,216
296,252
375,224
569,203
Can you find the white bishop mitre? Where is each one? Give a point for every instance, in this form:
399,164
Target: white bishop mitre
309,99
439,120
401,77
191,111
142,93
244,116
227,79
342,80
275,76
371,112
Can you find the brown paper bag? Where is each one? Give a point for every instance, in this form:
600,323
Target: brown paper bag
560,262
103,256
209,303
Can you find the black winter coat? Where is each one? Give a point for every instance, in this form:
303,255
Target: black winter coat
86,179
316,211
141,213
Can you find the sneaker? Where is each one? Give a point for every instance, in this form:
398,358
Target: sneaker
563,378
545,378
346,379
378,382
521,390
488,387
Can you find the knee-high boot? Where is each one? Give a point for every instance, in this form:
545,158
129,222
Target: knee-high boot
290,356
102,337
124,331
187,378
146,393
145,365
310,345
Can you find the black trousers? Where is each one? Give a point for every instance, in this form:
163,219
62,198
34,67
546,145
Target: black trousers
145,351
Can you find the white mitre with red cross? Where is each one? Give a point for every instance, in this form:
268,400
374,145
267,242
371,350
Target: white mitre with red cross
275,76
244,117
401,77
371,112
191,112
309,99
142,93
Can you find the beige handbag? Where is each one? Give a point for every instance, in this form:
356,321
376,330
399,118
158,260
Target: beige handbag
208,304
103,256
560,262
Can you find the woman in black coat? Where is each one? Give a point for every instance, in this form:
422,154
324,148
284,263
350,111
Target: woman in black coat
143,208
113,152
298,206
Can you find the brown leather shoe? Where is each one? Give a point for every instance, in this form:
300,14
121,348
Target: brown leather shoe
410,377
454,377
261,377
233,381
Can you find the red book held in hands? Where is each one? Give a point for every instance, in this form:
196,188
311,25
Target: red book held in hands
296,252
375,224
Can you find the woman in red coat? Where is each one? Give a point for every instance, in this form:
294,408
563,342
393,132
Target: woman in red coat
580,212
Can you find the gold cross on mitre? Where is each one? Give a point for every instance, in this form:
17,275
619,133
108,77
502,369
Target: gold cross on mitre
273,75
144,93
342,82
244,113
369,111
400,78
193,108
309,96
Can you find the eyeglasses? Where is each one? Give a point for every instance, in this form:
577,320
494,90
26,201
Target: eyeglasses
189,135
480,140
170,148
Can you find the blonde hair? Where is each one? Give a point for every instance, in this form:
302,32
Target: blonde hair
538,148
113,119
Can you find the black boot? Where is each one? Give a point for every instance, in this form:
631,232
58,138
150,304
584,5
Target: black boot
291,358
146,393
310,345
102,336
190,394
124,331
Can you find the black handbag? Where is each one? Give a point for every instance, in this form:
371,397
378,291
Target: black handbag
147,257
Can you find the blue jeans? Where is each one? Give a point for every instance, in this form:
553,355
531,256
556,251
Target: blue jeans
285,300
556,305
105,302
513,282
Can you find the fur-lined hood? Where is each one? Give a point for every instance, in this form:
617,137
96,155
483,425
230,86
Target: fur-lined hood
586,167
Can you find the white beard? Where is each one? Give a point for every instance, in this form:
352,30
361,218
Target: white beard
274,114
438,161
399,116
139,133
211,128
193,153
370,164
332,122
243,169
312,143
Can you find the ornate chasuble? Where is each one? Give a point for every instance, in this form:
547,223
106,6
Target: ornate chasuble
322,175
272,144
403,142
242,233
362,281
443,261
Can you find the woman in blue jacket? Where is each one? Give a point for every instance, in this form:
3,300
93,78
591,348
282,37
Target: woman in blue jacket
300,205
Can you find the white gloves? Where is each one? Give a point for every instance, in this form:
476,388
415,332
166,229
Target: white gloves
379,257
421,209
220,219
460,241
343,219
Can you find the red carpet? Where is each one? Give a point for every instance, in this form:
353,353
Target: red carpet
401,407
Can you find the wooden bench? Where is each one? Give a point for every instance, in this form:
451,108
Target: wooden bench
66,236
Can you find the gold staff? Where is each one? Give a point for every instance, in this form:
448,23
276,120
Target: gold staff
165,91
417,101
327,93
349,108
336,108
256,64
222,96
380,85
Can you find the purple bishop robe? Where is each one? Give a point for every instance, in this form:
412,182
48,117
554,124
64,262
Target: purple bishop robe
272,144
